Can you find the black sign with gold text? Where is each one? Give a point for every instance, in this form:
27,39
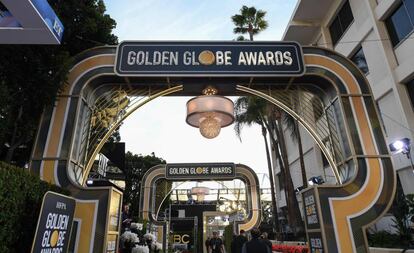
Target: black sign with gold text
312,221
311,210
54,224
200,171
230,58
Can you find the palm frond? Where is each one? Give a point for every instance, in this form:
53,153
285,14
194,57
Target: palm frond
251,14
241,30
244,11
262,25
260,15
248,111
292,126
239,20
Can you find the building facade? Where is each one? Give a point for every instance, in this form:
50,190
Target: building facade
378,36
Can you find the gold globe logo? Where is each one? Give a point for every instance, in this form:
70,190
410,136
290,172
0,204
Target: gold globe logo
206,57
199,170
54,238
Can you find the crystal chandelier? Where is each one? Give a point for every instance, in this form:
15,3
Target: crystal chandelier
210,112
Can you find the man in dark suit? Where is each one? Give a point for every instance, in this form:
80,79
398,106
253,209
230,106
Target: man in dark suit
255,245
216,244
266,240
237,243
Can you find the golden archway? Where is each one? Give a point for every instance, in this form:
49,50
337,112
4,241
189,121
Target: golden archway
356,150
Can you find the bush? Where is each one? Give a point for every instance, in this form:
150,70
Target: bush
21,195
384,239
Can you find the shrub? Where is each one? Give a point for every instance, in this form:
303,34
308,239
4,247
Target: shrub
21,195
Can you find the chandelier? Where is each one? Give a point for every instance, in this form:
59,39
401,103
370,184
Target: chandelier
210,112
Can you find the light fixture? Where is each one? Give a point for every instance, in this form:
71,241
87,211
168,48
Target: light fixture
201,192
300,188
210,112
400,146
316,180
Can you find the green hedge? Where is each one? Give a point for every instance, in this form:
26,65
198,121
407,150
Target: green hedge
21,195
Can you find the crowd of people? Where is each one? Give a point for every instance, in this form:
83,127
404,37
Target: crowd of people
259,243
133,241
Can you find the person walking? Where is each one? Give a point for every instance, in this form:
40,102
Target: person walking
238,241
255,245
265,239
126,218
207,243
216,244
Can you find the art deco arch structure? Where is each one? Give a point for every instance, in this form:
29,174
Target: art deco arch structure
243,172
64,148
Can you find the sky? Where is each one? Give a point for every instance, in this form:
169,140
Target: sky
160,126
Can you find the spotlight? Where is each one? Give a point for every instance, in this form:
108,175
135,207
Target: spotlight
316,180
300,188
401,146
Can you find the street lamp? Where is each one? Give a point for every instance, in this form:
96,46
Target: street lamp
402,146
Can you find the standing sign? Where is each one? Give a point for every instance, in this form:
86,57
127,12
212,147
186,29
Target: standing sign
312,221
54,224
143,58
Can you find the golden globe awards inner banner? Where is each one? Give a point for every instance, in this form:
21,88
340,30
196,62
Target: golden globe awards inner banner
139,58
54,224
200,171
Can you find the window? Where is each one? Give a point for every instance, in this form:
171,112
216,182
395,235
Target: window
381,118
317,108
2,7
410,91
281,181
359,59
3,10
401,22
341,22
325,162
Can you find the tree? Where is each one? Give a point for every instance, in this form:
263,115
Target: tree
295,135
135,168
402,210
86,24
241,38
294,215
255,110
30,76
249,111
249,21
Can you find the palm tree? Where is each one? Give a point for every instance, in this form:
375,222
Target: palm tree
249,21
293,126
294,216
249,111
253,110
